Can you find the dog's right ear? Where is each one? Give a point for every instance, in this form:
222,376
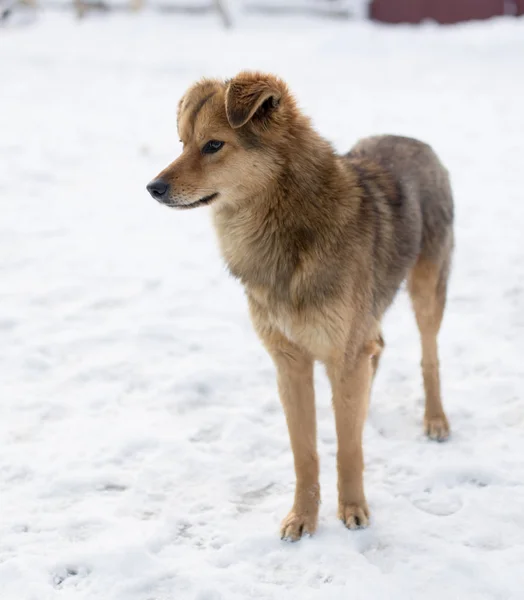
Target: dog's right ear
251,96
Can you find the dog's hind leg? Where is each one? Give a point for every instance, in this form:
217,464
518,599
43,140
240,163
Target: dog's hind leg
427,284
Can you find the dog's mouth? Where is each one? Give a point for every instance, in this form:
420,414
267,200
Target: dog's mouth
202,202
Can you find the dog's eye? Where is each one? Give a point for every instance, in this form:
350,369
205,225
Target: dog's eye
212,146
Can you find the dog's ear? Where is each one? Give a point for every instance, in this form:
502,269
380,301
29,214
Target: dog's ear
252,96
179,107
178,111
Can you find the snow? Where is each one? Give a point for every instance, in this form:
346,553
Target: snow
144,453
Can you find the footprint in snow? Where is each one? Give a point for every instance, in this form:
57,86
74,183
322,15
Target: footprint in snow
442,503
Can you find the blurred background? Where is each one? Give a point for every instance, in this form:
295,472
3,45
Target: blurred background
143,450
389,11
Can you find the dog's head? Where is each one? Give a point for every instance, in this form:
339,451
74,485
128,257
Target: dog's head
231,134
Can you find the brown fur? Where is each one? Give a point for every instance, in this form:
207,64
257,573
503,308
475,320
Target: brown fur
321,243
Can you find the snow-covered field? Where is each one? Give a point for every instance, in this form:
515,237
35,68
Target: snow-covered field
143,450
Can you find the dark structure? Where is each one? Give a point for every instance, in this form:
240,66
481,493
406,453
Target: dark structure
442,11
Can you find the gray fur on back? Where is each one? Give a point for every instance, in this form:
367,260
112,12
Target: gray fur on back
423,181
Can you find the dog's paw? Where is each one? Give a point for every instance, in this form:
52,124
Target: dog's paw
297,524
436,428
354,516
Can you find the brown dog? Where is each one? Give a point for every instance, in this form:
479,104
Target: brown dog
321,243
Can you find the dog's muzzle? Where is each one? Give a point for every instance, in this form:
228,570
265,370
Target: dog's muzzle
160,190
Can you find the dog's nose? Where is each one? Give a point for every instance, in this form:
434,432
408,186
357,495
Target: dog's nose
157,188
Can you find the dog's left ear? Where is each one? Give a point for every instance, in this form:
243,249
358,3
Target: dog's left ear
250,96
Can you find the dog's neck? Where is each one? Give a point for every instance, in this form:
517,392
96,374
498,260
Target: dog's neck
265,238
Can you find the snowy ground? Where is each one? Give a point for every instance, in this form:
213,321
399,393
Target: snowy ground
143,450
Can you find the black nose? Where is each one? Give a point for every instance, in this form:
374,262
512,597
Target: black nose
157,188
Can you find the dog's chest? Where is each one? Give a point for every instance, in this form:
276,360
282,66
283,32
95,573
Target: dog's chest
276,282
315,331
309,332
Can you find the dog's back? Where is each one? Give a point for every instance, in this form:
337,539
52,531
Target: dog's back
419,205
423,180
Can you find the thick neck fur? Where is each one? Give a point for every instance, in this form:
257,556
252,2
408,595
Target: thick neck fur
267,238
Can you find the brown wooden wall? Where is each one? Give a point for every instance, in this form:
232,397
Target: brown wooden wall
442,11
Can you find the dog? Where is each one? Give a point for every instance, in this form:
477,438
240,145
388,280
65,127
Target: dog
321,243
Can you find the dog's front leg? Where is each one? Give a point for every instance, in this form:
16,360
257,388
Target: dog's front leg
295,386
351,387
